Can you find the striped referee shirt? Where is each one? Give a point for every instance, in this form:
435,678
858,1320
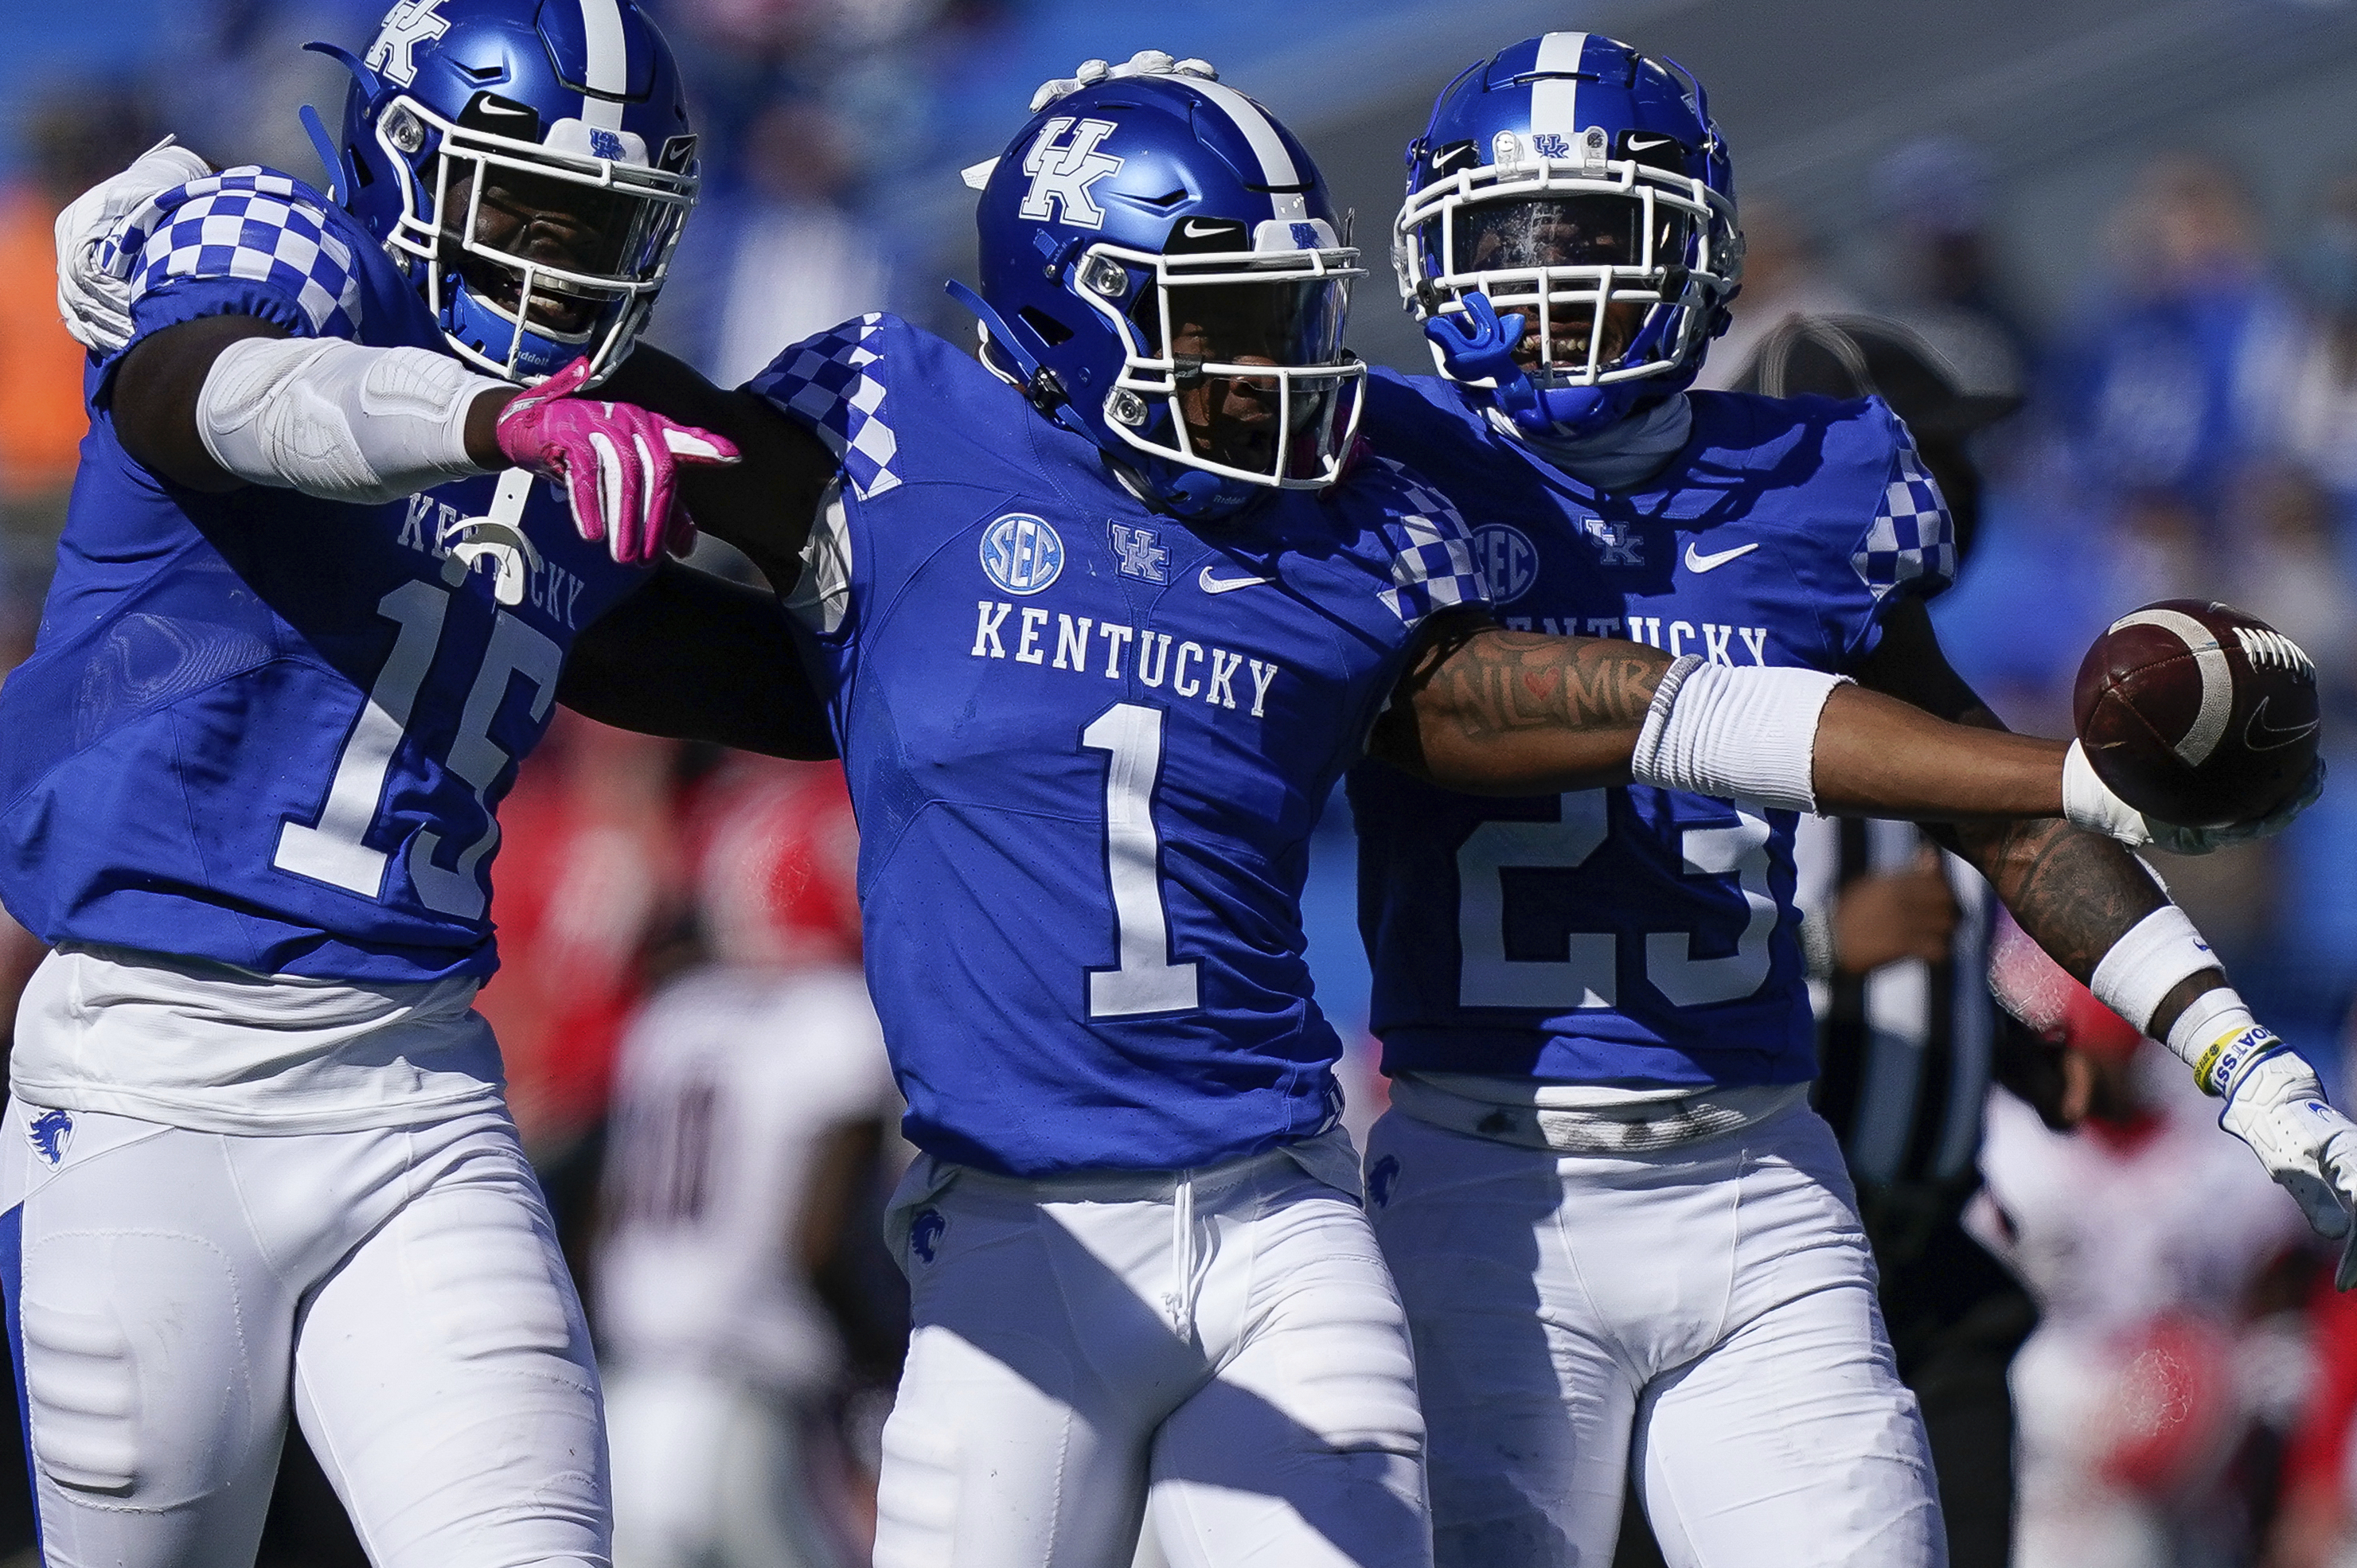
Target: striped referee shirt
1904,1053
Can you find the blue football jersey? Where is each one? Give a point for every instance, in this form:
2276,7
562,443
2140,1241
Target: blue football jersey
1087,743
264,729
1633,936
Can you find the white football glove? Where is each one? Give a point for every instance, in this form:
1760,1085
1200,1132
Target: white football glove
1145,62
2089,803
95,303
2276,1105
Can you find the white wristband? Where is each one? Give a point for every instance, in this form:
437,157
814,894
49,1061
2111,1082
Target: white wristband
1749,734
2219,1039
2149,962
338,420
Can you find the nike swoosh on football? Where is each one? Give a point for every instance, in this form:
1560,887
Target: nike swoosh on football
1230,585
2276,738
1697,562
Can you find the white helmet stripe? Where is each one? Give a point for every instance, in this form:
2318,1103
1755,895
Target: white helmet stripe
1554,100
608,65
1276,162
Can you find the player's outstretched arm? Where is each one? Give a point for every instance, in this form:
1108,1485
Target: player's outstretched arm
765,504
2103,917
226,401
1494,712
694,657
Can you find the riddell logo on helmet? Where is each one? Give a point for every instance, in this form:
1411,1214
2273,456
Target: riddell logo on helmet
1060,175
406,25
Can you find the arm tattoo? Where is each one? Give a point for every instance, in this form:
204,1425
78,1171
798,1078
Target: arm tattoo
1486,682
2075,892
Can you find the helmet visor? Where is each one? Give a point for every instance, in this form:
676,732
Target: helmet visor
1566,231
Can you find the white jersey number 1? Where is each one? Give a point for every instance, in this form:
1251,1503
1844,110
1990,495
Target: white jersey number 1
1147,981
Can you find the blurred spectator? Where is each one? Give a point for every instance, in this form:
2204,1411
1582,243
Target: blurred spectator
2165,389
2153,1366
78,134
2318,410
1784,276
1933,195
752,1105
589,875
777,255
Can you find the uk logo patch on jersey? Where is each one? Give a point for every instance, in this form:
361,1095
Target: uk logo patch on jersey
1022,553
1139,555
50,1133
1509,561
1620,545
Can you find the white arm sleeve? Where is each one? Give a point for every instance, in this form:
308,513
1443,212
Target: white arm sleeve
1748,734
338,421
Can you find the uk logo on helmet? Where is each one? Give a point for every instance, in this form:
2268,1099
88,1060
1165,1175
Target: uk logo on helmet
1060,175
406,25
1509,561
1022,553
604,143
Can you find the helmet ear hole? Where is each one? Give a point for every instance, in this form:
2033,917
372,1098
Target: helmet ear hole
1051,331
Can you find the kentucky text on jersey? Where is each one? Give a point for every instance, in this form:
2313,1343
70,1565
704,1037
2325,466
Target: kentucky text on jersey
1633,936
264,729
1197,670
1088,742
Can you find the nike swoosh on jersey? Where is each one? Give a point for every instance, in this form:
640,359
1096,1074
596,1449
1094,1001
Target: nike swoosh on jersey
2276,738
1212,585
1698,562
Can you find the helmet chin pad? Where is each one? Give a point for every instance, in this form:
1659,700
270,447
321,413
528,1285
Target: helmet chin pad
472,323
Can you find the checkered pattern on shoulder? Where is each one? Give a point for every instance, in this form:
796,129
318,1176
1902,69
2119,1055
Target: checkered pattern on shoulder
1432,551
835,383
1913,541
243,223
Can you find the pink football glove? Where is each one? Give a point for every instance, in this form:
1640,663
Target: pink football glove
618,463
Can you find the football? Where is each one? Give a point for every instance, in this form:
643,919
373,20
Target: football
2197,714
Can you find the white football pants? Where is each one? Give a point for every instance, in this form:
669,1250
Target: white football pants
1706,1312
169,1292
1223,1348
713,1472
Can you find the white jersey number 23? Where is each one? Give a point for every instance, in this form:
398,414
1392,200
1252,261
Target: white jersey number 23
1587,973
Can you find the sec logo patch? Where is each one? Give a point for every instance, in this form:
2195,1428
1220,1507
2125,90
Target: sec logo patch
1509,561
1021,553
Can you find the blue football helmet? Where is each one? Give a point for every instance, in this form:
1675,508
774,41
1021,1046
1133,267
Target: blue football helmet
1568,238
1163,273
528,163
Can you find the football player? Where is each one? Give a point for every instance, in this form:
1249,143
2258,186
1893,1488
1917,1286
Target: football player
750,1097
313,601
1622,1235
1102,617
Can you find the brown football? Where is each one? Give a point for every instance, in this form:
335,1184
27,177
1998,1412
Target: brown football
2197,714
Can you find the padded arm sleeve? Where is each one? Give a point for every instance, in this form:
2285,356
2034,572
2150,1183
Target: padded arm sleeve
338,420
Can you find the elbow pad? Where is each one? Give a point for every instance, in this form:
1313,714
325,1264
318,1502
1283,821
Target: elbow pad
1748,734
338,421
